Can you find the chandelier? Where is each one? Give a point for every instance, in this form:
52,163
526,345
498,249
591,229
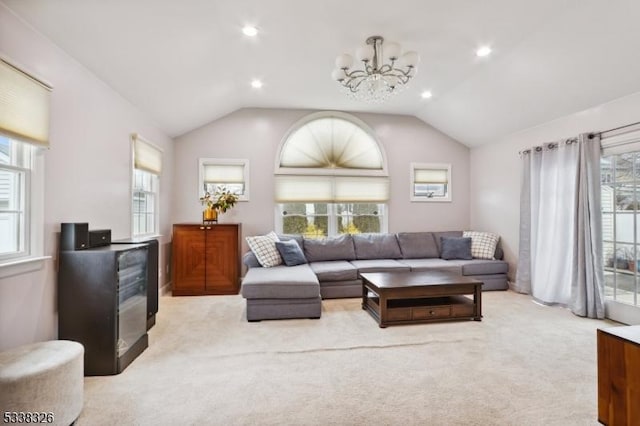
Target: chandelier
378,79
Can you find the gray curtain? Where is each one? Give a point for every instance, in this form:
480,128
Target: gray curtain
560,252
587,283
523,276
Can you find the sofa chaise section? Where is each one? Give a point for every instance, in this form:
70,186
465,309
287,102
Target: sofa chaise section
281,292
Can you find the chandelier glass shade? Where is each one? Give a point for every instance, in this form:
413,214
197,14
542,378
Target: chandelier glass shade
383,73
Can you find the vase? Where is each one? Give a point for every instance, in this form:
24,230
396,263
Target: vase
210,214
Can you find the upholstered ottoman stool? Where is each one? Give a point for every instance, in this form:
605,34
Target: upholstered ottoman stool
281,292
41,378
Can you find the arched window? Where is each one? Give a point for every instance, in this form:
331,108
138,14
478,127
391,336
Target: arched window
331,177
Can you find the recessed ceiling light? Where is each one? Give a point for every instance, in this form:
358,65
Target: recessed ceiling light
426,94
256,84
483,51
250,31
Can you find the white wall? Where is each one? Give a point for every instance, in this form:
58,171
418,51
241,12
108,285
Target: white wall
496,168
87,172
256,134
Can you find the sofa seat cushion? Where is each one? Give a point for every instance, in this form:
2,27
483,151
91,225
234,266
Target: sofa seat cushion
379,265
433,264
280,282
482,267
334,270
376,246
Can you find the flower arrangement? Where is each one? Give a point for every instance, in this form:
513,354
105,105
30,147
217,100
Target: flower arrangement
221,200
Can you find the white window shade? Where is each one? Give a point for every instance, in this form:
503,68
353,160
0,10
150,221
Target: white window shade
292,189
24,102
431,176
223,173
628,141
146,156
361,189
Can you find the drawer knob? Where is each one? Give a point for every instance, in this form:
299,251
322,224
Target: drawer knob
432,313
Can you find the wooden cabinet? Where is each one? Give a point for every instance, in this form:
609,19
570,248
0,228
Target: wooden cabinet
206,259
619,376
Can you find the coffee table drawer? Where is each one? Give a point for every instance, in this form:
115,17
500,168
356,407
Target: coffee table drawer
462,310
399,314
427,312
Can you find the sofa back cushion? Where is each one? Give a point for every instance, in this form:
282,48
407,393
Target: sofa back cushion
376,246
418,245
332,248
438,237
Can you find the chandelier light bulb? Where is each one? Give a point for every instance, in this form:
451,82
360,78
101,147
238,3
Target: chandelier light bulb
411,59
365,53
426,94
256,84
344,61
392,50
338,75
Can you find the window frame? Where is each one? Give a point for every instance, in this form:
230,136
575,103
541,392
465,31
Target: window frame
32,255
246,173
156,204
430,166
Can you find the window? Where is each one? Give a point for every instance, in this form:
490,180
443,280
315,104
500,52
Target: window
232,174
331,178
620,199
147,166
15,175
430,182
24,130
318,220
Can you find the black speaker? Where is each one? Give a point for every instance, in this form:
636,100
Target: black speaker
99,237
74,236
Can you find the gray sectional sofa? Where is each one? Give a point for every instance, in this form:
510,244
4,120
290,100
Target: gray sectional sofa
334,265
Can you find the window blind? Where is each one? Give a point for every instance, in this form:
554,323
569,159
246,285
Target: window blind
146,156
24,102
628,141
341,189
224,173
430,176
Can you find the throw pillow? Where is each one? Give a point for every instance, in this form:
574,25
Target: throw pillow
291,252
455,248
483,244
264,247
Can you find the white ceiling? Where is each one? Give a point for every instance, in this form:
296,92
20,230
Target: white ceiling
186,63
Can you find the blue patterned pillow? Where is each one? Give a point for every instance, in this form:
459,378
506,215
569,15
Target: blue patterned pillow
291,252
455,248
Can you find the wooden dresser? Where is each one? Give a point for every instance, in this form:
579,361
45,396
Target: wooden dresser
206,259
619,376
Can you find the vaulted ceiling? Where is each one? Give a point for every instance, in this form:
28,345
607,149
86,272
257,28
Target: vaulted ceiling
186,63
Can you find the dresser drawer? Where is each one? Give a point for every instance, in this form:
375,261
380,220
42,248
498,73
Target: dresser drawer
431,312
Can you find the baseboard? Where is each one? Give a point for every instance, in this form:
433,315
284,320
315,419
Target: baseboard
165,289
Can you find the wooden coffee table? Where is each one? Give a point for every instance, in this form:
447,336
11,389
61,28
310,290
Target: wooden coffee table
419,297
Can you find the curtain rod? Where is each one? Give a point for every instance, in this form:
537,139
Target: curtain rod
591,135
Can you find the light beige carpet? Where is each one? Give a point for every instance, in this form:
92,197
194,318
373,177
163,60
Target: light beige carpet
524,364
